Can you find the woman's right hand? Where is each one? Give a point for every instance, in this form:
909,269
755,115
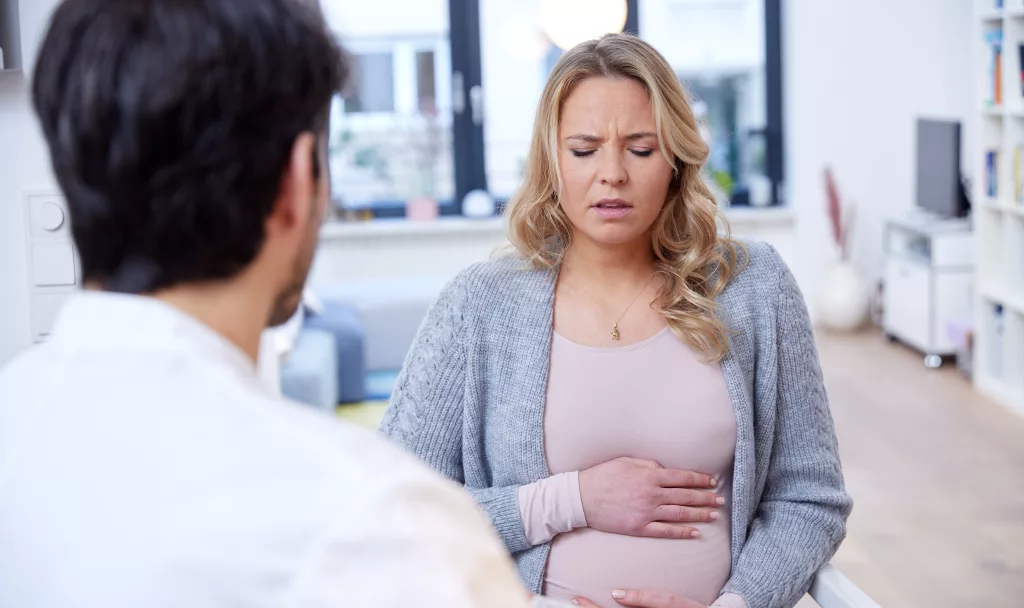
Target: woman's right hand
641,498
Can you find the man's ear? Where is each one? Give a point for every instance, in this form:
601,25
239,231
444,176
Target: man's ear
295,197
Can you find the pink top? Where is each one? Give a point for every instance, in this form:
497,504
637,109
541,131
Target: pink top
655,400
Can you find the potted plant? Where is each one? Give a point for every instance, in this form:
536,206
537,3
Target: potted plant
425,139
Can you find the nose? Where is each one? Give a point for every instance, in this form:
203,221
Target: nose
612,170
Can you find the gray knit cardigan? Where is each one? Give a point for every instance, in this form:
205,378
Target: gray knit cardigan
470,403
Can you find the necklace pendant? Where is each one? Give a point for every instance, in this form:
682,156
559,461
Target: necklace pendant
615,332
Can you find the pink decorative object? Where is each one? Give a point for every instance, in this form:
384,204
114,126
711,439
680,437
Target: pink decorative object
842,223
421,208
844,297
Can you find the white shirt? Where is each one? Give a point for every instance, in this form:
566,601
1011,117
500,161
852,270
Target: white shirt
143,463
276,343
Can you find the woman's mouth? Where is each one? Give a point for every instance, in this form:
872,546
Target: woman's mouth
612,208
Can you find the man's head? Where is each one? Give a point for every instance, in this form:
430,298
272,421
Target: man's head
189,139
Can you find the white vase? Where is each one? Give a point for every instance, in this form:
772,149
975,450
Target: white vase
844,298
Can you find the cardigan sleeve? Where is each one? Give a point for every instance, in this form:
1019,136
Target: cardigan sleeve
426,408
801,518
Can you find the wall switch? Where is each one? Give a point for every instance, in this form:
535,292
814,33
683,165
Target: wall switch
53,265
47,217
52,273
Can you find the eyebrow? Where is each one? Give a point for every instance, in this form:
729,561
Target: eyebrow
595,139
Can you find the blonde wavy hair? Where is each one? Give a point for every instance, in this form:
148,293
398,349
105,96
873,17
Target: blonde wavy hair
695,260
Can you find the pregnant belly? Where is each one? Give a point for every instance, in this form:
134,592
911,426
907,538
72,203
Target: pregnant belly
590,563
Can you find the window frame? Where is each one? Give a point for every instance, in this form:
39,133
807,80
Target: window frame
464,27
462,82
405,79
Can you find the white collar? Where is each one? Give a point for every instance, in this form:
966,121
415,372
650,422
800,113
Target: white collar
95,320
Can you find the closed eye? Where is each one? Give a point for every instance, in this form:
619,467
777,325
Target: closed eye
641,153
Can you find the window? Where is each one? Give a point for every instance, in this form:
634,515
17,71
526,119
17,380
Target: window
444,95
722,51
426,99
372,87
391,129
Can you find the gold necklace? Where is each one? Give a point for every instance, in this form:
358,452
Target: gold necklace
615,324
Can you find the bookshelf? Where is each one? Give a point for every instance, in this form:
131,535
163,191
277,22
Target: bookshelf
999,202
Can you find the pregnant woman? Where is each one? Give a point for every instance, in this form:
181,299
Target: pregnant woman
634,398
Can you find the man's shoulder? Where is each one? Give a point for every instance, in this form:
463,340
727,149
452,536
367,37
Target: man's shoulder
29,362
383,492
23,379
353,454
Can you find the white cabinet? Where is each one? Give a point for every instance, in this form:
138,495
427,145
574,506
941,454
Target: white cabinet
907,293
929,279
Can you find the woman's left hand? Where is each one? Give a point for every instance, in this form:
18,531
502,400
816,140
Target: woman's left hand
643,599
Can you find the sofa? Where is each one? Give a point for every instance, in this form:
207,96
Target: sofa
354,338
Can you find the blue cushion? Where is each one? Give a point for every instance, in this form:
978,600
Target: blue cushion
342,321
380,385
309,374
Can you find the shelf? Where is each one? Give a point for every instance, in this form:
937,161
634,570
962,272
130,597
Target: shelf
1004,207
996,295
1004,393
401,227
738,217
998,222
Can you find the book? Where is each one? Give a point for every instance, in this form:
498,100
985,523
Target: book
998,84
997,325
994,38
992,174
1018,174
1020,62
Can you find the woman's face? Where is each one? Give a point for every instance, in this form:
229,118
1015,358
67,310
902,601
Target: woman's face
614,178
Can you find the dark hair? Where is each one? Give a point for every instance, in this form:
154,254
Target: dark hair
170,124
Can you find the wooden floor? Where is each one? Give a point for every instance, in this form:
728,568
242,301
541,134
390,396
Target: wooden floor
937,475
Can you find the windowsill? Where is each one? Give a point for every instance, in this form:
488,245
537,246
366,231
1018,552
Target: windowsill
760,216
402,227
738,217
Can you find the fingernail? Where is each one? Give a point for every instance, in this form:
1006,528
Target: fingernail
715,515
720,500
694,534
714,482
618,594
575,602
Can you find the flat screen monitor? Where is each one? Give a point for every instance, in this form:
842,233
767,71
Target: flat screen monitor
939,189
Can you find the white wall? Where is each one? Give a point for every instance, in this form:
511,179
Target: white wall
857,75
705,36
24,165
440,249
387,17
